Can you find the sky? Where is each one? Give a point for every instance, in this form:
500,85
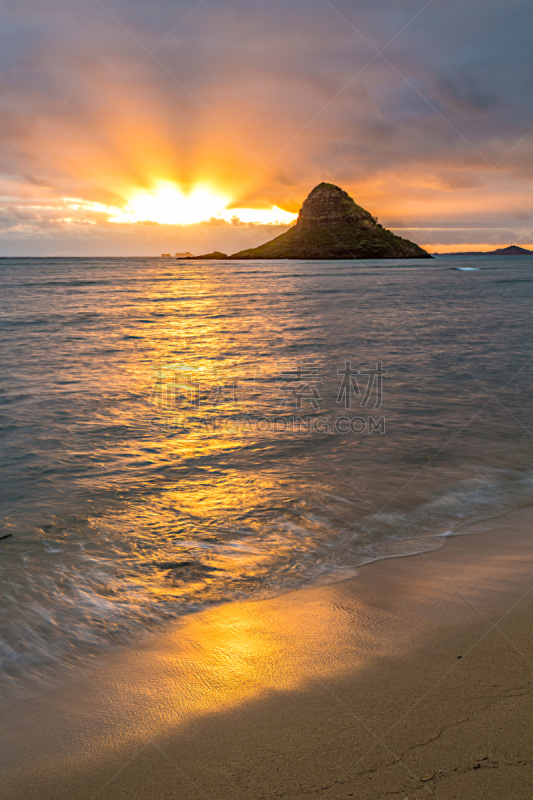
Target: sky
130,128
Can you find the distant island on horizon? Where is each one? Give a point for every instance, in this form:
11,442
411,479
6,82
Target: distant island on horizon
512,250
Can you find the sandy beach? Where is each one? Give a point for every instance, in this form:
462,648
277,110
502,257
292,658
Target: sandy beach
410,680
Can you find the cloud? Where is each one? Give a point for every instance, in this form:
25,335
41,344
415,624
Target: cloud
264,101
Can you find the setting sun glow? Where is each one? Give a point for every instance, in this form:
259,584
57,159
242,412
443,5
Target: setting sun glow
167,204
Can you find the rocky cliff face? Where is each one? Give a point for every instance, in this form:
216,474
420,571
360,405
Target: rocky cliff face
331,225
327,206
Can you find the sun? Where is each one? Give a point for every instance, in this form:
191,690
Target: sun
168,205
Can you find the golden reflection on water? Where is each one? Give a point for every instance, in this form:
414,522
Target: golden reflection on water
196,492
242,651
239,652
212,662
229,656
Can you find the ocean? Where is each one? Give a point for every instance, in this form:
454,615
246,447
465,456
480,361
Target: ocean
177,434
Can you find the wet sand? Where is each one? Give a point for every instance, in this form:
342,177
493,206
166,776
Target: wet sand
411,680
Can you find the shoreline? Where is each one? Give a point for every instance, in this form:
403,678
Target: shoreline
392,683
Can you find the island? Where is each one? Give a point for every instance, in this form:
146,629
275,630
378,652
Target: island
512,250
331,225
212,256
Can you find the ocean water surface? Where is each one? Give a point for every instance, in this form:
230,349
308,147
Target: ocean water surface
177,434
